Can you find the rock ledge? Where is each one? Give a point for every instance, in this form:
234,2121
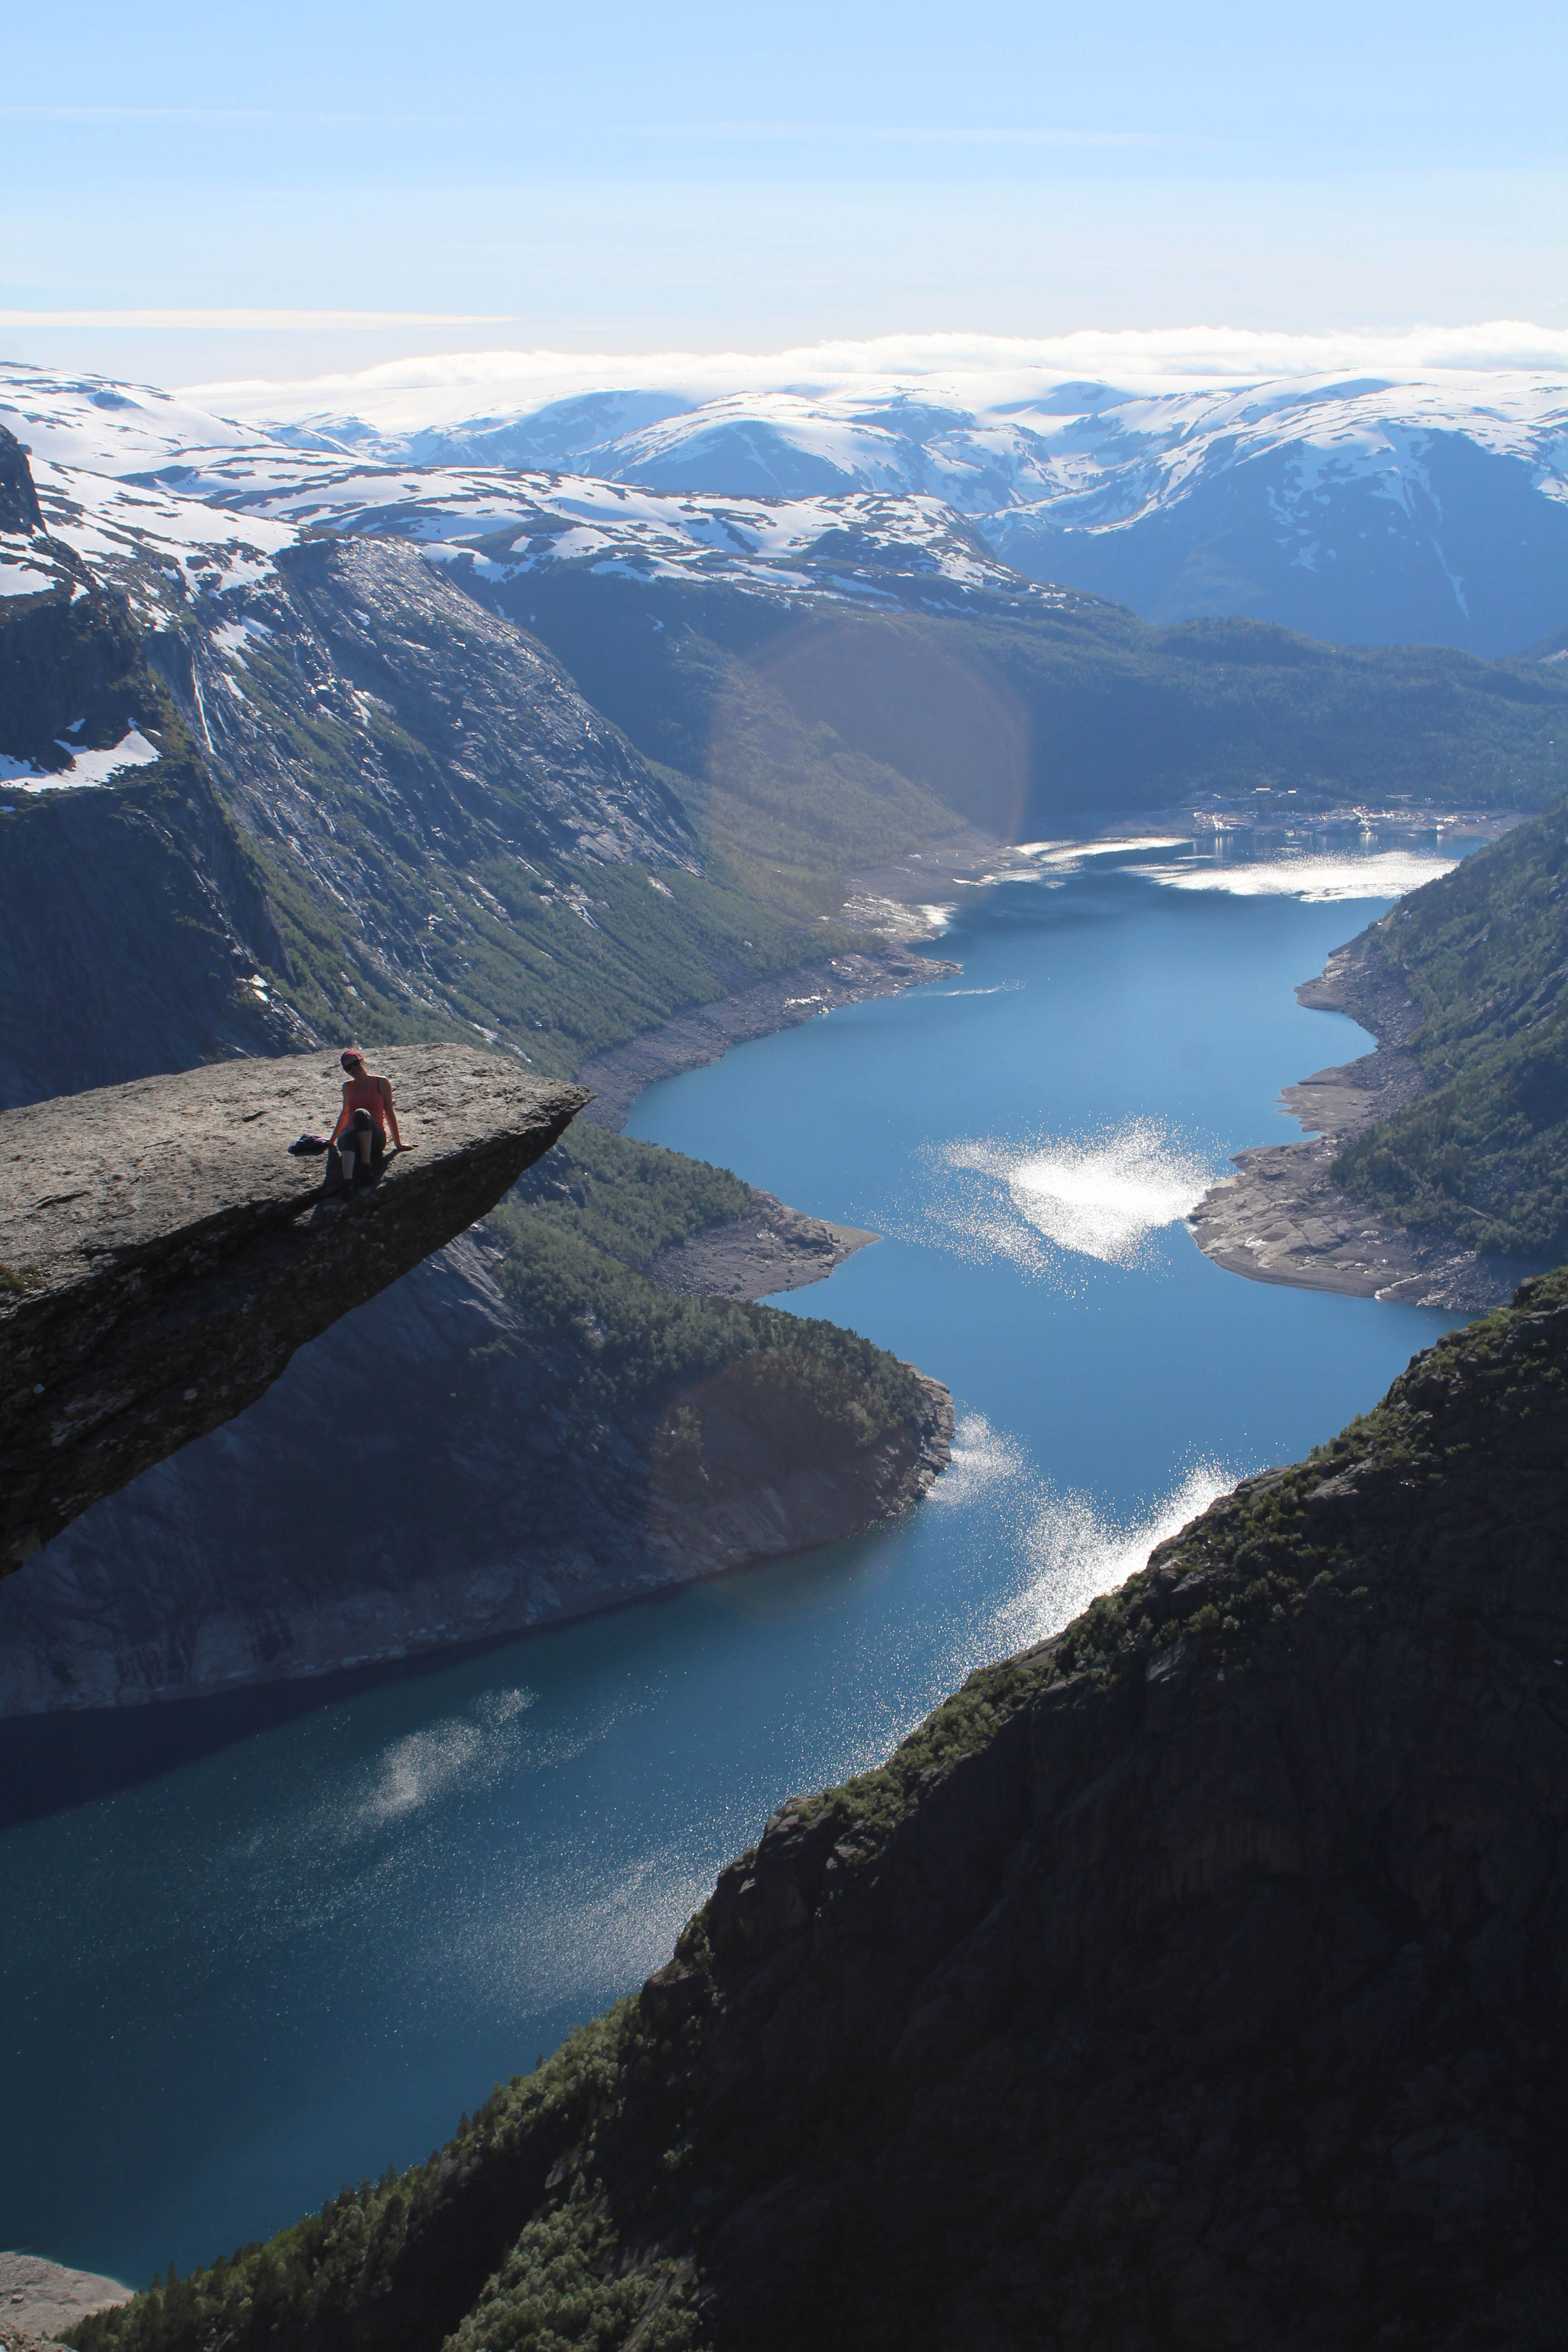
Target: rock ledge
161,1257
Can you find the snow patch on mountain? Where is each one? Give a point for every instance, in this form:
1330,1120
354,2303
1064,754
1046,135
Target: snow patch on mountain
82,768
1420,495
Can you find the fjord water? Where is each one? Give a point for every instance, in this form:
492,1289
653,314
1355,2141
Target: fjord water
251,1976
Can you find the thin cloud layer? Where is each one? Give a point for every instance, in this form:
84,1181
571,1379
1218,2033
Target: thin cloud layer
977,371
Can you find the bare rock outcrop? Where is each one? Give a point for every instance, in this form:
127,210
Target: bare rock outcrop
1282,1218
162,1255
39,2300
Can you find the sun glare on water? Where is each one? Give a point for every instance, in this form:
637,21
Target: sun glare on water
1066,1545
1105,1198
1319,881
1103,1195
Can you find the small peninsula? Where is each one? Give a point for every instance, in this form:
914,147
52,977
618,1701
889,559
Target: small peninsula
1439,1171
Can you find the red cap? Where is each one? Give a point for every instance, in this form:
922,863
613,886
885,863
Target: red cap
350,1054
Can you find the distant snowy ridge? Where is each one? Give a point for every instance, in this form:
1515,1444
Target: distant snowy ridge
219,502
1429,503
1361,508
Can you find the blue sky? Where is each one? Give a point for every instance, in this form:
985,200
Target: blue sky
689,177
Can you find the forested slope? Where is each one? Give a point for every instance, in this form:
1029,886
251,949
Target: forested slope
1484,955
1198,1978
811,733
548,1432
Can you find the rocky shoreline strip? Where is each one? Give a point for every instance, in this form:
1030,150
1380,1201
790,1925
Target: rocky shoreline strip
39,2300
693,1039
772,1248
1281,1218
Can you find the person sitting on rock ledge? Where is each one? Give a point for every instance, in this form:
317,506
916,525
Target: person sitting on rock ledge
368,1111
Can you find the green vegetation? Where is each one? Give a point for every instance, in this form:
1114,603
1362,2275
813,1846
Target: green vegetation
807,743
633,1200
1484,952
556,959
546,2221
578,1233
561,2288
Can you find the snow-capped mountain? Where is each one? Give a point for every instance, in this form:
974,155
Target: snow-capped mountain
218,502
1362,512
1429,507
1424,506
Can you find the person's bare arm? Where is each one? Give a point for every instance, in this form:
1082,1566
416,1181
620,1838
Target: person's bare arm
391,1111
342,1115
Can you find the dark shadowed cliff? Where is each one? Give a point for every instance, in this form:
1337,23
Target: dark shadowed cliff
1198,1978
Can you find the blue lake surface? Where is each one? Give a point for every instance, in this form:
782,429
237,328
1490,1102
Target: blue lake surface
262,1972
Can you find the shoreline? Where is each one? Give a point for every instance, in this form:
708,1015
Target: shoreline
830,1502
690,1041
770,1248
1282,1219
40,2299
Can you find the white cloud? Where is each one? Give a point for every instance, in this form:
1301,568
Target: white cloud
976,371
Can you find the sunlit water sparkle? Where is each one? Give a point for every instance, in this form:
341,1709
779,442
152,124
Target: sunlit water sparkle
231,1986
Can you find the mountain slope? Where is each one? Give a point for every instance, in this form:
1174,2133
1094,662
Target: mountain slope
1483,956
1198,1978
1029,722
549,1432
134,918
1431,505
857,671
827,681
382,809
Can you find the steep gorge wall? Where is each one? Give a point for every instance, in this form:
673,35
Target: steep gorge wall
131,919
1197,1978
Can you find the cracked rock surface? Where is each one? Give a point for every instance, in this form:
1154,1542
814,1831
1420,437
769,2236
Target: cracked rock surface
162,1255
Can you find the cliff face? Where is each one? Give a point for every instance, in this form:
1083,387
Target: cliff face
1199,1978
132,915
498,1510
162,1255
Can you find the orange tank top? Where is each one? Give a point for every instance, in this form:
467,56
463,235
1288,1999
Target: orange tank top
363,1093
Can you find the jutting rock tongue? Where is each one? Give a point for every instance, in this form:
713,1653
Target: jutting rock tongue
162,1255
